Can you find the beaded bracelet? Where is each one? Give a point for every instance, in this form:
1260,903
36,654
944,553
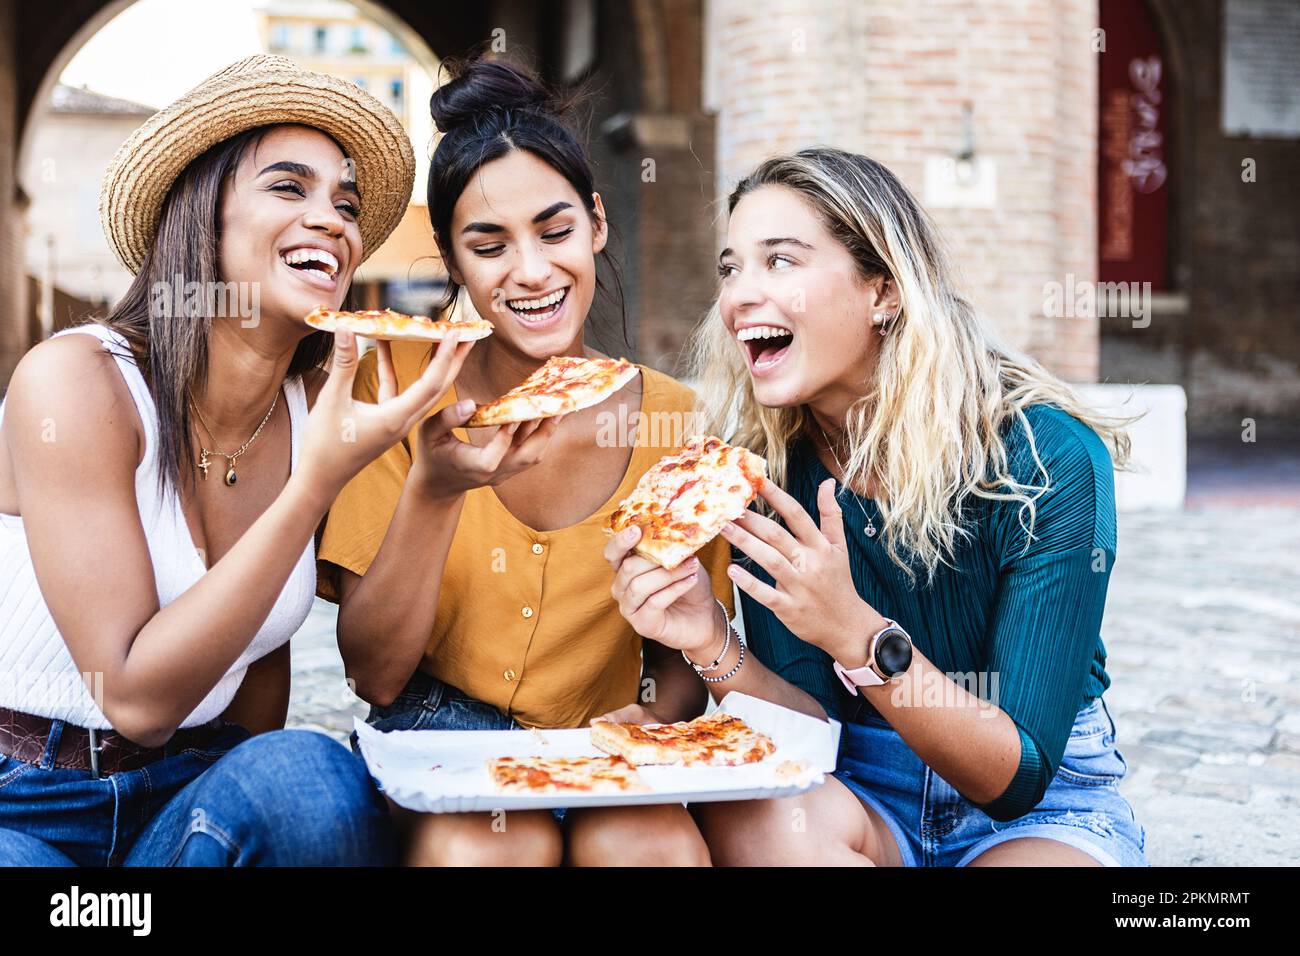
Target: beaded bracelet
731,673
726,644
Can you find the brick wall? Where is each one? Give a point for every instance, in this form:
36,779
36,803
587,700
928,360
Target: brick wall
889,78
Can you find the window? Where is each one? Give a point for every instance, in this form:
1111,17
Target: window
320,36
358,40
395,91
280,37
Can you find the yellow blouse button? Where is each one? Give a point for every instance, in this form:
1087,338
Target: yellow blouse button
509,675
528,612
537,548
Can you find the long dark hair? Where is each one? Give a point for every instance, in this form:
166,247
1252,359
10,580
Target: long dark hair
172,350
487,109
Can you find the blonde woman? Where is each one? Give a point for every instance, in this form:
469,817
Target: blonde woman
935,567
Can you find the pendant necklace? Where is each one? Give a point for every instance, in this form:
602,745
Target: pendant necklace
231,457
870,529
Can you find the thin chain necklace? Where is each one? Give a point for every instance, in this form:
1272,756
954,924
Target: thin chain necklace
230,457
870,529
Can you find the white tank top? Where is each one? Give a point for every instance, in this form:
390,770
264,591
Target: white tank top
37,674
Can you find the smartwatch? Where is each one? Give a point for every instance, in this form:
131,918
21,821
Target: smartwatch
889,655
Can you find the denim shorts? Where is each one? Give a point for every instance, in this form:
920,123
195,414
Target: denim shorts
934,825
282,798
427,703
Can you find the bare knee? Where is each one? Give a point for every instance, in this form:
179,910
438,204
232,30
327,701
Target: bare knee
485,839
750,832
656,835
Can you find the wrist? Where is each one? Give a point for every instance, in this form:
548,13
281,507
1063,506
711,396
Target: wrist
436,497
312,491
429,489
711,647
851,642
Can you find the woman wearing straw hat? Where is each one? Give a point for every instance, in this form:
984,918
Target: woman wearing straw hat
161,479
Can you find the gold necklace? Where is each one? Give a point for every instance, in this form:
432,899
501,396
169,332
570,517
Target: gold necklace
231,478
870,529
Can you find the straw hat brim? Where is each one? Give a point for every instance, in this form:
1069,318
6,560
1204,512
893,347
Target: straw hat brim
259,91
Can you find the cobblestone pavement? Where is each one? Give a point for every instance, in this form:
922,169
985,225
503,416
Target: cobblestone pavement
1202,629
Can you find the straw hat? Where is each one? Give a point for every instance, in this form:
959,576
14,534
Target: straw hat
257,91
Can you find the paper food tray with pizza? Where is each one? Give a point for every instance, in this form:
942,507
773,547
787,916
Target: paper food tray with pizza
745,749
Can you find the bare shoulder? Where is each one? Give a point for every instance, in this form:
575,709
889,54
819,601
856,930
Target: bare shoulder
69,386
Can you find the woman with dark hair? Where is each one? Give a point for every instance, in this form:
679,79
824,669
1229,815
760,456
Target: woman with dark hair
161,480
928,561
472,590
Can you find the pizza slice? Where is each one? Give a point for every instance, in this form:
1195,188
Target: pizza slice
565,775
566,383
389,325
683,500
719,740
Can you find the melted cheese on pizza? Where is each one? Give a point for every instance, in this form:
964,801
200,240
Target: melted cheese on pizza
388,324
683,501
551,774
566,383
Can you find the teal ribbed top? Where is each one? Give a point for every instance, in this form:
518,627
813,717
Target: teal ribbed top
1027,618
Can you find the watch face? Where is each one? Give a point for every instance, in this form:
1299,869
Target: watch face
893,653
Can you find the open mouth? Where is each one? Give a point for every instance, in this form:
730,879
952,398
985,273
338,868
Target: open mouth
315,263
541,309
766,344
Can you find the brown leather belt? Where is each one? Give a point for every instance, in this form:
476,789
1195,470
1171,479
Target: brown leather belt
24,736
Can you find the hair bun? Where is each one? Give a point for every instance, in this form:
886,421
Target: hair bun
481,85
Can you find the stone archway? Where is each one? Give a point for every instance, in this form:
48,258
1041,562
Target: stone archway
647,110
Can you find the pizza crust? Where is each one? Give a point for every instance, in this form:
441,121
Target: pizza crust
566,383
396,326
718,740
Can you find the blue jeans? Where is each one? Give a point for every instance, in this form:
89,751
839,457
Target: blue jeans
427,703
287,797
934,825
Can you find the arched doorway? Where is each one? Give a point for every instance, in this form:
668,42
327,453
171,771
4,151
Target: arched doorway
641,59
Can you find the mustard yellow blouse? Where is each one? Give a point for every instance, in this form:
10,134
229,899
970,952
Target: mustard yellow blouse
525,619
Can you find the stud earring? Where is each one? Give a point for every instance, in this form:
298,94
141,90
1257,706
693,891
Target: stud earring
881,319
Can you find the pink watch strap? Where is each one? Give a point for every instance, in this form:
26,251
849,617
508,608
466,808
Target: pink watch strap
864,676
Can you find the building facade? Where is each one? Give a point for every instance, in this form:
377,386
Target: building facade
993,112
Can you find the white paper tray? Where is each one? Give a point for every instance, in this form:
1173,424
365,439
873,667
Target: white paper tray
445,771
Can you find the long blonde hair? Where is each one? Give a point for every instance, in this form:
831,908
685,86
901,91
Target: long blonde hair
928,433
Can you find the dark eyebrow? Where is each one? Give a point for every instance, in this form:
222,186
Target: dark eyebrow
545,214
551,210
298,169
304,171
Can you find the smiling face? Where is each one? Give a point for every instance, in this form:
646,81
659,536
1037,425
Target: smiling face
289,222
796,303
524,247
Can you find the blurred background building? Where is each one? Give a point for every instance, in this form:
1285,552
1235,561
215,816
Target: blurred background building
1066,148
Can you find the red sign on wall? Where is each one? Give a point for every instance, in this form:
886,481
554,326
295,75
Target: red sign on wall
1133,156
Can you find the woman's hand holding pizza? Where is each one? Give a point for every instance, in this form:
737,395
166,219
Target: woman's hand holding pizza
445,466
814,596
343,435
675,608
